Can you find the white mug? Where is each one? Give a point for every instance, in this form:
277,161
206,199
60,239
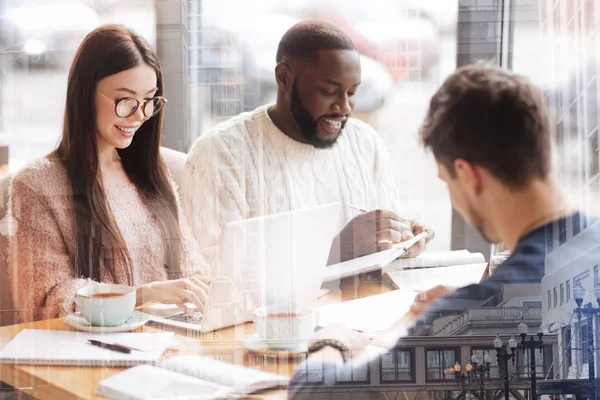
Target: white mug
103,304
279,323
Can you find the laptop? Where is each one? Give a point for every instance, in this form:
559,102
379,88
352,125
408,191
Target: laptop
278,259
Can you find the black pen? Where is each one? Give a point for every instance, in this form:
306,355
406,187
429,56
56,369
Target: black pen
108,346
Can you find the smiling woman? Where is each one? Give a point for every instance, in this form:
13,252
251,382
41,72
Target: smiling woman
103,206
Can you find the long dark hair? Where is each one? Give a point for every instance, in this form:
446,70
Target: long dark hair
99,245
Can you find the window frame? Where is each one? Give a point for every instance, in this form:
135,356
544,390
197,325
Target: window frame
413,375
457,359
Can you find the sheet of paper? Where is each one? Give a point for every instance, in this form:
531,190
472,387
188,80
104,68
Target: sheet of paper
148,342
369,314
426,278
436,259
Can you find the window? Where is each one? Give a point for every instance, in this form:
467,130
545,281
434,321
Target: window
352,373
308,372
549,300
543,361
396,366
495,370
555,296
562,232
566,341
596,276
568,291
562,293
583,339
440,360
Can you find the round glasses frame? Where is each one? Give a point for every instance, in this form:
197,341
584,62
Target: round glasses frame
139,104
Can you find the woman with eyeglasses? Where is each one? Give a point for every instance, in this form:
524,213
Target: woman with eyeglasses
102,206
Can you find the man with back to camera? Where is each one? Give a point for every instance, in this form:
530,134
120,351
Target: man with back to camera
490,134
303,151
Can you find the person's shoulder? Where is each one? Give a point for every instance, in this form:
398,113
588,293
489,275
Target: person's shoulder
363,134
45,175
232,133
359,127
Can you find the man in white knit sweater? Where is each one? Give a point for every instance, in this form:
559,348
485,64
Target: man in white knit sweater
300,152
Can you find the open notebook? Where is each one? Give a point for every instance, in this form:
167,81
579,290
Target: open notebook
188,377
51,347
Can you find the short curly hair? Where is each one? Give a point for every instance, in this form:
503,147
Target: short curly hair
306,39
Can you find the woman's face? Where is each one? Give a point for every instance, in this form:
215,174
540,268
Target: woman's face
138,83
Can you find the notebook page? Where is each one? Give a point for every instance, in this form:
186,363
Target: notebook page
241,379
52,347
149,382
436,259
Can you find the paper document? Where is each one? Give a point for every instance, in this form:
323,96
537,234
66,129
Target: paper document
430,259
369,314
426,278
370,262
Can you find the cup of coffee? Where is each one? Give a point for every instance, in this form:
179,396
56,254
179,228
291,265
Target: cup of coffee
103,304
281,323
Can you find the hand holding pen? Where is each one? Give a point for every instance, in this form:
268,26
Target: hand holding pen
373,231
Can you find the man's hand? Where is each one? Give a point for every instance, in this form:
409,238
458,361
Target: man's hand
371,232
379,230
420,246
424,299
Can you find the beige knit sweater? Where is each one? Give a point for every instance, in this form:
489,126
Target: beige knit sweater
246,167
42,246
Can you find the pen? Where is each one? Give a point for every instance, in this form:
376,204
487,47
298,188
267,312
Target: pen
108,346
357,208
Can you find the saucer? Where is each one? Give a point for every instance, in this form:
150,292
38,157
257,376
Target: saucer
137,320
274,347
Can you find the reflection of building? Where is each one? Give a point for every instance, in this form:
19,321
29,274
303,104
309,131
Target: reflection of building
217,76
479,37
570,36
418,369
569,33
574,262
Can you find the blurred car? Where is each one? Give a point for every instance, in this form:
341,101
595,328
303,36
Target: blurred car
49,32
403,41
260,35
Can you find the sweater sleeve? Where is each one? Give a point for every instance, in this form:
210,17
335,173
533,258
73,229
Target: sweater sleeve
192,261
213,193
41,269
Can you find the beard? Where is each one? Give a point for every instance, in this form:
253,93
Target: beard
479,224
309,127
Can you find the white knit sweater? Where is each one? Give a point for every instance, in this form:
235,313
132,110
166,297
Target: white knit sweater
246,167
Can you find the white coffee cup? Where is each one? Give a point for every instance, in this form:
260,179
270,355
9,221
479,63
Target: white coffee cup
103,304
279,323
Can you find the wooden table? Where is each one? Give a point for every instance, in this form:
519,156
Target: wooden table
61,383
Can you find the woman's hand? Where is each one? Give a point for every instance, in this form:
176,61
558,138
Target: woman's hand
193,289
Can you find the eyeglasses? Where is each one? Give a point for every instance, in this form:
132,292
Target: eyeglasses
127,106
